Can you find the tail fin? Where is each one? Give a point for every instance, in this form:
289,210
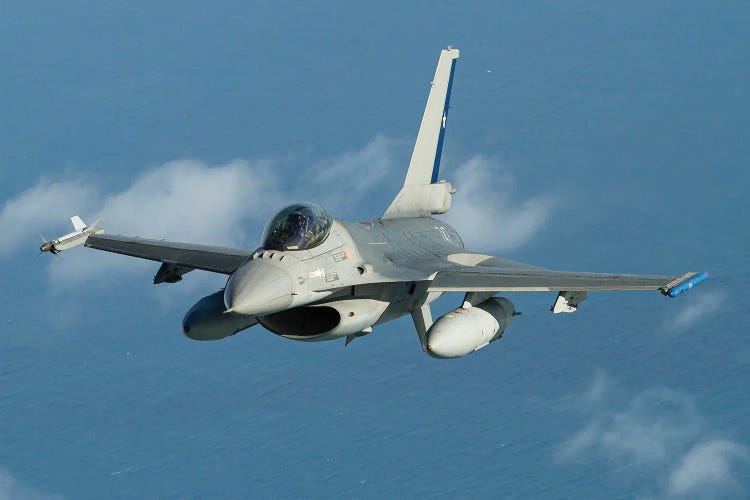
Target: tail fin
78,224
425,159
420,195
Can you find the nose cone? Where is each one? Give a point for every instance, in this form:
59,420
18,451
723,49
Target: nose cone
258,288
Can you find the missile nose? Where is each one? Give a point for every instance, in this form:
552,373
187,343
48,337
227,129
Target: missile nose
258,288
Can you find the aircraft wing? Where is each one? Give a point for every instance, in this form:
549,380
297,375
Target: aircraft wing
185,255
489,279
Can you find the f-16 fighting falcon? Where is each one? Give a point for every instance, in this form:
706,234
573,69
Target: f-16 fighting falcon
318,278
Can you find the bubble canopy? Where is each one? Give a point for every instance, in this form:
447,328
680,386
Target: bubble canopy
299,226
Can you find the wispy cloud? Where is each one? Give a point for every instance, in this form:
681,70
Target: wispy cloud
189,200
11,489
599,389
485,211
351,178
708,466
182,201
660,432
228,204
650,427
39,209
695,307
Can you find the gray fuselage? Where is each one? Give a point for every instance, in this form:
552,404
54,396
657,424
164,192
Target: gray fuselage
363,274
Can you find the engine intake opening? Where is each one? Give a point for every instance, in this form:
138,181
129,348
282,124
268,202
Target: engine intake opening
302,321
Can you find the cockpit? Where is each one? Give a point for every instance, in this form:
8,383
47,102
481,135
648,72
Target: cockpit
300,226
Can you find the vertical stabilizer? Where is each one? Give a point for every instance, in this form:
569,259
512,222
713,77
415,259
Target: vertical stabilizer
425,159
421,196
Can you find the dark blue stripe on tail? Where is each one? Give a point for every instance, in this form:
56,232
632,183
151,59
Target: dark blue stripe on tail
439,151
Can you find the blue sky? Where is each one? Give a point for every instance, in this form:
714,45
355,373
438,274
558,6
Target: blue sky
604,137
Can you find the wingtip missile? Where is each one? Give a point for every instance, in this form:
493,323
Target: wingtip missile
47,246
70,240
684,284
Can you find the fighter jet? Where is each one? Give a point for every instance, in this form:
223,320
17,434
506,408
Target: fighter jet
317,278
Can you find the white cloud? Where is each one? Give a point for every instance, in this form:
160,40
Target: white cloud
647,430
660,433
228,204
11,489
182,201
351,178
484,212
707,467
695,307
653,425
583,440
190,201
38,210
599,389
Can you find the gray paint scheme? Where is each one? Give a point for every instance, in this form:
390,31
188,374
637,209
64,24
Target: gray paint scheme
364,273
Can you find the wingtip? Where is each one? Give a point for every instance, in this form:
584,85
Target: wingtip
685,283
